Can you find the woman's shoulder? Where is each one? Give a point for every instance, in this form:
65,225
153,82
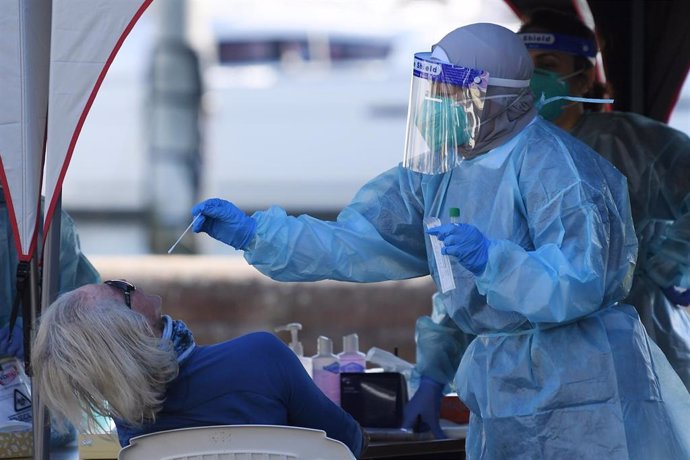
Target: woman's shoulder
261,340
546,143
541,134
624,123
556,160
255,344
249,354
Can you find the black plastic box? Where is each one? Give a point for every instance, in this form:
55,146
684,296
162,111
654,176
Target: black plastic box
375,399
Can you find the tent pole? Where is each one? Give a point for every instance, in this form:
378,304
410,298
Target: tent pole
49,289
38,415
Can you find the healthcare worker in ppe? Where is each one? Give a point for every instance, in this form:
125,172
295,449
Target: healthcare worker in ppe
544,253
653,156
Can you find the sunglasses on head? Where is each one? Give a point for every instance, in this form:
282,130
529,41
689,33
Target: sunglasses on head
126,287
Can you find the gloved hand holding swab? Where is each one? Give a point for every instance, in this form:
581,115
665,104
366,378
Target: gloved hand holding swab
183,233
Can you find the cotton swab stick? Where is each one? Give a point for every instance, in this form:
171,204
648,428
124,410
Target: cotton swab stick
183,233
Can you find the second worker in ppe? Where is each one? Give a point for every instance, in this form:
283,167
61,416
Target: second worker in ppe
654,157
545,252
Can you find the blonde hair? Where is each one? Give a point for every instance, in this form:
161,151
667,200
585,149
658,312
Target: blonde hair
99,357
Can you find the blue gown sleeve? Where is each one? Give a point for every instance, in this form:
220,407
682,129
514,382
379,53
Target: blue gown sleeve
378,236
668,262
307,405
584,246
656,160
668,256
440,344
75,269
440,347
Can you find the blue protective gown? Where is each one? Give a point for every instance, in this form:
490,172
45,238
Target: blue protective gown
656,160
559,369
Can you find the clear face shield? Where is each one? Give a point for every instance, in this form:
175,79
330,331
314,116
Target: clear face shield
445,107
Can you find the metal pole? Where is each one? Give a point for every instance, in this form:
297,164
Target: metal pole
39,302
174,134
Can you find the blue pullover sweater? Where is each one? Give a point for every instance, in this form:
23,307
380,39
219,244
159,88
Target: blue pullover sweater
254,379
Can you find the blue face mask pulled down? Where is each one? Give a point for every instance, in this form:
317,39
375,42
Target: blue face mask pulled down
551,93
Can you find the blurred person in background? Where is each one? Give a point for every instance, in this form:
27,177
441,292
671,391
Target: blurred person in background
107,350
536,270
75,270
654,157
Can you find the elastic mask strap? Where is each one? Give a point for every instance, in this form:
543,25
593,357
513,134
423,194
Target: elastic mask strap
571,75
542,102
508,82
496,115
485,98
502,96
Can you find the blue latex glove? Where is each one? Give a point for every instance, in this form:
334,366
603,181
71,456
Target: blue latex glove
16,347
678,298
423,411
465,242
225,222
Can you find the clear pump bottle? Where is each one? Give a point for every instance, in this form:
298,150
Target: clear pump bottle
351,359
296,346
327,369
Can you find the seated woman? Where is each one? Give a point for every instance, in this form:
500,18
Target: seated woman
106,349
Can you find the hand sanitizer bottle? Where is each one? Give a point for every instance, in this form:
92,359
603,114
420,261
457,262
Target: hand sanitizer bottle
327,369
351,359
296,346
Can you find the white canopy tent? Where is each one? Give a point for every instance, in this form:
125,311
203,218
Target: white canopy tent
54,55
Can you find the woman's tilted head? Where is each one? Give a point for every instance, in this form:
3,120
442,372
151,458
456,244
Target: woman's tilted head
93,354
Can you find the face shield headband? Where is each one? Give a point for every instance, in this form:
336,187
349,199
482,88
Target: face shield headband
444,115
562,43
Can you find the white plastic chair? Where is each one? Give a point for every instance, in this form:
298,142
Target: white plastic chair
236,442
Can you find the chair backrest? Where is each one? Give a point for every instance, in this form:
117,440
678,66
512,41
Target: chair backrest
236,442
